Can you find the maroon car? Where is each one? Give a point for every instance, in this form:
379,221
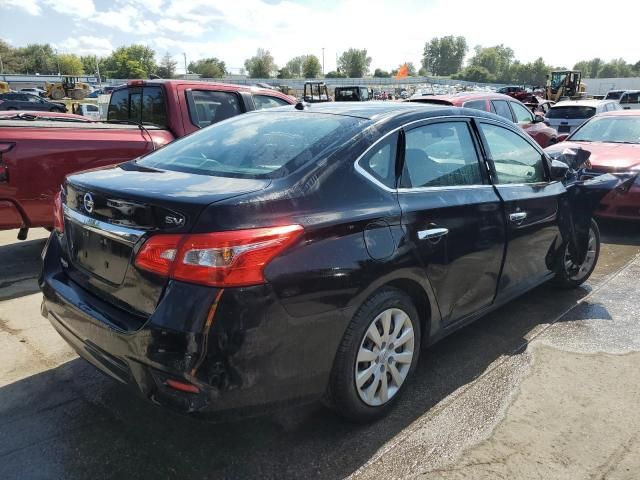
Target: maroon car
613,138
516,92
502,105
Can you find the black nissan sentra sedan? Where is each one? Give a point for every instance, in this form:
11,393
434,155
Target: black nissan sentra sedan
305,253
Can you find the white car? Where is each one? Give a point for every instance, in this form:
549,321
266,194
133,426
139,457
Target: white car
34,91
88,110
568,115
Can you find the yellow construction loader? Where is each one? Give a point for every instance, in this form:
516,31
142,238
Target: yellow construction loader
564,83
4,87
70,87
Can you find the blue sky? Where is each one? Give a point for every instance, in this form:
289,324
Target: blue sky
392,31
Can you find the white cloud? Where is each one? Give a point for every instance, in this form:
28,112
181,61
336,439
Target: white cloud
120,19
187,28
75,8
32,7
86,45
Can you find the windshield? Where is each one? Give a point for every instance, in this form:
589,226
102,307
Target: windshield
257,145
614,95
610,129
572,112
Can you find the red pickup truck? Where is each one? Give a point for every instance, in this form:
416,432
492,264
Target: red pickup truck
37,154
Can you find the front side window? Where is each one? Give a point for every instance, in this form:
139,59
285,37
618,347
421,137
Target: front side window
266,101
523,115
265,144
501,108
440,155
515,159
380,162
630,97
210,106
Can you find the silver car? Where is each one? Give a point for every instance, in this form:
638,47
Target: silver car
568,115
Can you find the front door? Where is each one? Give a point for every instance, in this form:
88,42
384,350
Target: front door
531,207
452,216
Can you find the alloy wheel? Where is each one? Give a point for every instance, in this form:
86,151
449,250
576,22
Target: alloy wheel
575,271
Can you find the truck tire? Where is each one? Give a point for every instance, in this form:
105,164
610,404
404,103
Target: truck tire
571,275
57,94
77,94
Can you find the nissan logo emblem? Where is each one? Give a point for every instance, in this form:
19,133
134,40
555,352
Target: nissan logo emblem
88,202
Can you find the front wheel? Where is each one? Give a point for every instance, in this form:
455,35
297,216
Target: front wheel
378,354
571,274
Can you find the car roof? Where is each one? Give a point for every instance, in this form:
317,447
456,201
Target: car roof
196,83
379,110
621,113
582,103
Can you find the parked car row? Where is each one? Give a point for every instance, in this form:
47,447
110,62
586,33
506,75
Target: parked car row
27,101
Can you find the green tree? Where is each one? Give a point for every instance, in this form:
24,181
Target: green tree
261,65
11,61
70,64
284,72
354,63
294,66
334,74
209,68
91,63
496,60
475,73
134,61
167,67
378,73
38,58
423,72
311,67
444,55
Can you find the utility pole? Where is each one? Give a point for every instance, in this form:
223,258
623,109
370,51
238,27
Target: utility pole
185,63
57,60
323,61
98,71
1,66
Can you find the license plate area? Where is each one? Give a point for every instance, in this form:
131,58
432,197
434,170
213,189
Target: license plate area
101,256
564,129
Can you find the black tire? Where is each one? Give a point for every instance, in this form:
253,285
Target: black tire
572,276
342,394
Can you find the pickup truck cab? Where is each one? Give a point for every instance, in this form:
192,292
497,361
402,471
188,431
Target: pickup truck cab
143,115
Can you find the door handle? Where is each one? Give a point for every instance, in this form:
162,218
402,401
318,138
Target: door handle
432,233
518,217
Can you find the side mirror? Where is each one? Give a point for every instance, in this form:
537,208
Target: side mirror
558,170
538,119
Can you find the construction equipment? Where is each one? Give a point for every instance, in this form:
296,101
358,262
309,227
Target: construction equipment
70,87
564,83
315,92
4,87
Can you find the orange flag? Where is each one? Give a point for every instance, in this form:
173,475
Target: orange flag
403,72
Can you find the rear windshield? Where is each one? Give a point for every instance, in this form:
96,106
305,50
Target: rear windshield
571,112
264,144
139,105
613,96
610,129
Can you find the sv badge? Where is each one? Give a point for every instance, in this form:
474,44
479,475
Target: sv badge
174,221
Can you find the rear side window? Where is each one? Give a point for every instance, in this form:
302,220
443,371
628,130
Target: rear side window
501,107
266,101
208,106
571,112
380,162
264,144
440,155
477,104
141,105
515,159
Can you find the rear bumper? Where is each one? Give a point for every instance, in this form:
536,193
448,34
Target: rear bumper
254,357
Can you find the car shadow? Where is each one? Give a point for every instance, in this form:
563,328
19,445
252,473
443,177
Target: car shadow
20,263
71,422
619,232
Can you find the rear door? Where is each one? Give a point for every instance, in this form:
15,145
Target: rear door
531,206
452,215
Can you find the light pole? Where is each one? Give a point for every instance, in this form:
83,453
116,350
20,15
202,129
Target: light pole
323,61
185,63
57,60
1,66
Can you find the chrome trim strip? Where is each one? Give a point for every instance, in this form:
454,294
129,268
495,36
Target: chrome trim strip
114,232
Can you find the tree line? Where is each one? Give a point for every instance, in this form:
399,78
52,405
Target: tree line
442,56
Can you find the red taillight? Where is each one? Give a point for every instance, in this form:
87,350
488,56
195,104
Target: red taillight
58,215
182,386
223,259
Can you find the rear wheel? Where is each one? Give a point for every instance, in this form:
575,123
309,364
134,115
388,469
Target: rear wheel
378,354
572,274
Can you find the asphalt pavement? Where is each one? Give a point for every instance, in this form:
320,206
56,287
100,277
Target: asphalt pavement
545,387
